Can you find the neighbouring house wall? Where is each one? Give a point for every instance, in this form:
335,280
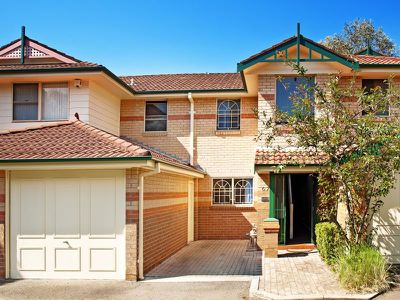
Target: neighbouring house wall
79,102
2,225
165,215
386,224
93,103
104,109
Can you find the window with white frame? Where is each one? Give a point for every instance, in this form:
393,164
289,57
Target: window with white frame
156,116
233,191
40,102
228,115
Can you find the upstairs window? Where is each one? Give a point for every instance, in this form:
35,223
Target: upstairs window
369,85
228,115
286,87
54,101
26,101
233,191
156,116
49,105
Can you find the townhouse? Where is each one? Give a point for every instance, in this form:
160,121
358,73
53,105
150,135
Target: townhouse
104,177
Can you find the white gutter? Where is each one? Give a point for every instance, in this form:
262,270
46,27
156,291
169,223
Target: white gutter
191,136
156,170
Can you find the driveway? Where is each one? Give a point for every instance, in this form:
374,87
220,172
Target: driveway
211,258
45,289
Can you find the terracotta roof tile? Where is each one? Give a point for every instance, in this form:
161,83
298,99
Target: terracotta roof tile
287,156
73,140
378,60
185,82
52,66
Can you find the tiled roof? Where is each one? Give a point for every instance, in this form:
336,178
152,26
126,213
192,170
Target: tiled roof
52,66
73,140
286,156
377,60
185,82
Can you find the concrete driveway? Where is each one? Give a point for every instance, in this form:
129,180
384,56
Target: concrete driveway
77,289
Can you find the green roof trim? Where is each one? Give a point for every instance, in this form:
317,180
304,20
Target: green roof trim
369,51
326,54
76,159
99,68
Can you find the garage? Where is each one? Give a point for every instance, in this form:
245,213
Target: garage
67,224
387,225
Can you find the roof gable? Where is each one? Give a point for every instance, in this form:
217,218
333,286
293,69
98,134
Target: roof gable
279,53
33,50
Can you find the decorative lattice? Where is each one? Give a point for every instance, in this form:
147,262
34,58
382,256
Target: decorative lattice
29,52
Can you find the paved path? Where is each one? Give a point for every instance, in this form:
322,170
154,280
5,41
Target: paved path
121,290
293,275
232,257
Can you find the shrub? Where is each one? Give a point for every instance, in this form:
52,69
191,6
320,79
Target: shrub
328,241
362,268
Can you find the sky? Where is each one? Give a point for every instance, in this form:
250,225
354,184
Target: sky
155,37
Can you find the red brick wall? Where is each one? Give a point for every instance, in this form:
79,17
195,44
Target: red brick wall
228,222
2,225
165,217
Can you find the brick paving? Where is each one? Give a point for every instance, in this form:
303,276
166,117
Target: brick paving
207,257
299,274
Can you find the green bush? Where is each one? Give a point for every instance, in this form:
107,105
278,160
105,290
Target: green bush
328,240
362,268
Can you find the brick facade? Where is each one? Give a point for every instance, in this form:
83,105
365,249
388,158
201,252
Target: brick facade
235,160
165,218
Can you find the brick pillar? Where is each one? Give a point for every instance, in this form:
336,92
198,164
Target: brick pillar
2,225
271,231
131,225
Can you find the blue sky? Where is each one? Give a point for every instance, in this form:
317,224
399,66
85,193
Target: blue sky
147,37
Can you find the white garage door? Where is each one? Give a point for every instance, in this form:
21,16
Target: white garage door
387,225
68,224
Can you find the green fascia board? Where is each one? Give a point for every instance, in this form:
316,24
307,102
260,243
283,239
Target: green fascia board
303,42
261,58
369,51
72,69
75,159
335,57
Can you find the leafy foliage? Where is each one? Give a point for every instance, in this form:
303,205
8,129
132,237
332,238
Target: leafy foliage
362,268
357,151
329,241
358,35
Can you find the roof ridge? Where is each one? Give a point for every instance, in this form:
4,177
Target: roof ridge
116,140
35,127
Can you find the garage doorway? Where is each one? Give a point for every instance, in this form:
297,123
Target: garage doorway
67,224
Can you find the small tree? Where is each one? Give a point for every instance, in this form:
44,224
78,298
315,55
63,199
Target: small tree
358,35
357,151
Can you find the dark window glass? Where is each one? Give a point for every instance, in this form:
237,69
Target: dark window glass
156,116
25,102
286,87
370,84
228,117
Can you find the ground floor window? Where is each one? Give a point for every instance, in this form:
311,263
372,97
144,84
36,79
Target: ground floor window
233,191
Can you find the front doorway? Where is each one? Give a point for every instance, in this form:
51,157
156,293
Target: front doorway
293,203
